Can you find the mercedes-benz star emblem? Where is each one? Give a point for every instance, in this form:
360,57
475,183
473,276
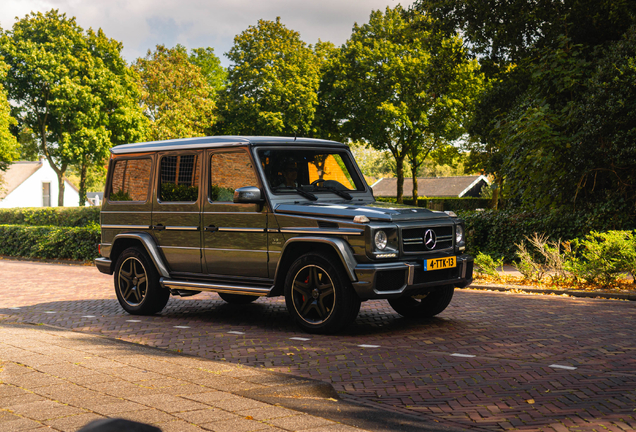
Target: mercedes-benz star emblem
430,239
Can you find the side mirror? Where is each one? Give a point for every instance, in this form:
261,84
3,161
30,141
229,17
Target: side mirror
248,195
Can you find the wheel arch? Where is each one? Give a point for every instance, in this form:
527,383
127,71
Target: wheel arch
123,241
295,247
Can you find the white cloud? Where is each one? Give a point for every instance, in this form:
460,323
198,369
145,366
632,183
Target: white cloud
142,24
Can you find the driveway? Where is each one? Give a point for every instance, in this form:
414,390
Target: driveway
492,361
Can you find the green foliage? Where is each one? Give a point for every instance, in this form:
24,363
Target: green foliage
172,192
120,195
401,87
486,264
272,83
497,232
56,216
218,193
176,95
8,143
603,256
71,89
76,243
210,65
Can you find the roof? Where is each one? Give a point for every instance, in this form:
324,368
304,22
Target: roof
17,173
217,141
457,186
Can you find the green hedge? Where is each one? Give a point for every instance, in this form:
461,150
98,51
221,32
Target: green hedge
496,232
454,204
57,216
76,243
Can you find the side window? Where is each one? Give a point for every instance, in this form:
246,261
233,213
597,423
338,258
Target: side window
131,180
230,171
179,181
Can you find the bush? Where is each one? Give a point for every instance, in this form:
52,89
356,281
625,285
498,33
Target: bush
485,264
58,216
76,243
498,232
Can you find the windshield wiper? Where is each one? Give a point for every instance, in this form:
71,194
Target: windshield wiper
338,192
306,194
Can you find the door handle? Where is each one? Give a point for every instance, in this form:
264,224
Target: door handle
158,227
211,228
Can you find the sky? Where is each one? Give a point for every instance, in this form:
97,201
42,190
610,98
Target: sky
142,24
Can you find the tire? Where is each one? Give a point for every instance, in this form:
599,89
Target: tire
137,283
238,299
428,306
319,295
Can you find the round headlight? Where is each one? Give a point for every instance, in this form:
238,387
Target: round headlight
380,240
459,234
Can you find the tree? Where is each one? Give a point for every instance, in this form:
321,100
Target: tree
72,89
272,83
402,87
176,96
8,142
210,65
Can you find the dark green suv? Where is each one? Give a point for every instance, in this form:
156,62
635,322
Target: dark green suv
260,216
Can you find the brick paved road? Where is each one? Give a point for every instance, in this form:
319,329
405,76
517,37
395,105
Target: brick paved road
491,361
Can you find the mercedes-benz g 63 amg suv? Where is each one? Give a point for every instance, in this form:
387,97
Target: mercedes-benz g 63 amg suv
260,216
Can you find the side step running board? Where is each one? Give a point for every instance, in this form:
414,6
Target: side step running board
224,288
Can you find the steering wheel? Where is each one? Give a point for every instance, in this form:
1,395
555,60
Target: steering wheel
315,182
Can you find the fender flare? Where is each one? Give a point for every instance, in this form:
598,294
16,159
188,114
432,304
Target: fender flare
340,246
151,248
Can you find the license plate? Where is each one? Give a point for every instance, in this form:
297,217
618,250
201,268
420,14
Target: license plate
439,263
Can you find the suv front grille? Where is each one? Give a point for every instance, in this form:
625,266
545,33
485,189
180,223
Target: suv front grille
427,239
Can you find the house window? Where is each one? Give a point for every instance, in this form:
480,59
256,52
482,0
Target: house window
46,194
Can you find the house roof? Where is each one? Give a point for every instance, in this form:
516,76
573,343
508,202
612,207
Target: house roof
17,173
456,186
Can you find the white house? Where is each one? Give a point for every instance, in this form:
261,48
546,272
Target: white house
33,184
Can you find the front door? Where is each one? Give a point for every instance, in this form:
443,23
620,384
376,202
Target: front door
235,235
176,218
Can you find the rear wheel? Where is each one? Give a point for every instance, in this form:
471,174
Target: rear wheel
237,298
424,306
137,284
319,295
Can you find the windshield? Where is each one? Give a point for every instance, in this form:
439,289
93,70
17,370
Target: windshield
300,171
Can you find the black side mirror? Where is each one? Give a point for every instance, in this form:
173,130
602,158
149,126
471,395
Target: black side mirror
248,195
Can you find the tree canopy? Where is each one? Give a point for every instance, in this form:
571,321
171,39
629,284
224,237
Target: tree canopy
272,83
8,143
398,85
176,95
210,65
72,89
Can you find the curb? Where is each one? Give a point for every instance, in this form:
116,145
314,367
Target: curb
631,296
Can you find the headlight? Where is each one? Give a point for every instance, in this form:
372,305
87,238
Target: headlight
459,234
381,240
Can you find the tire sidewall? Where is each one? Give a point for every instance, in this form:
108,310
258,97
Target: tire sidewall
152,302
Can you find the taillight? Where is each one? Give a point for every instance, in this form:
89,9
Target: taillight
99,249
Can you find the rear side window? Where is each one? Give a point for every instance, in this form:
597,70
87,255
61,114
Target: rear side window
131,180
179,180
230,171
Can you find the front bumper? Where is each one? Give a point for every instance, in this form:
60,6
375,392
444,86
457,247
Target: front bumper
401,279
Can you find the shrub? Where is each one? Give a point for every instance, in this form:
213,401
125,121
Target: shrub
58,216
485,264
602,257
76,243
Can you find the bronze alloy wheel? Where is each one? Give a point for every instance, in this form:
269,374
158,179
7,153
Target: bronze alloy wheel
133,281
313,294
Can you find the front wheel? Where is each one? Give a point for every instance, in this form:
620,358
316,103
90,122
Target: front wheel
423,306
137,284
319,295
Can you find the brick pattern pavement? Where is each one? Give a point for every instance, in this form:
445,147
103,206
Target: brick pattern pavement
491,361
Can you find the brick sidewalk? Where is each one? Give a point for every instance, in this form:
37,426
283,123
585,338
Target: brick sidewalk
491,361
60,380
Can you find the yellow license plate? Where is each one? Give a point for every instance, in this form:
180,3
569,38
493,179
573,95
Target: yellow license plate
439,263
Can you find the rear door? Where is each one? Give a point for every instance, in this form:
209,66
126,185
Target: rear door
234,235
176,219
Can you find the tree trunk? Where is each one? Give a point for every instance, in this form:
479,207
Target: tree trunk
495,193
414,168
82,188
399,168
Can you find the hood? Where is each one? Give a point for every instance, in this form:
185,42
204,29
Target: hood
377,211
